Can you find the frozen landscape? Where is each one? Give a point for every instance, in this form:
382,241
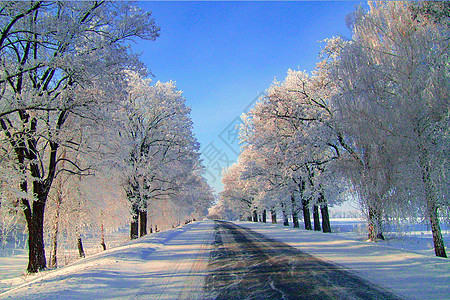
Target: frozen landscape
122,124
174,264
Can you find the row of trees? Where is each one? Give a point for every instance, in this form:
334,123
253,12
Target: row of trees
162,159
370,123
77,115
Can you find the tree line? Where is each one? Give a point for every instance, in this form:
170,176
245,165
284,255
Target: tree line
370,123
84,136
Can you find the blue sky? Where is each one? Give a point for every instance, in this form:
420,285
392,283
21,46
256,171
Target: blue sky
222,55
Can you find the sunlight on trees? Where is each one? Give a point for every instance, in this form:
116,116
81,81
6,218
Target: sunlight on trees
371,121
64,76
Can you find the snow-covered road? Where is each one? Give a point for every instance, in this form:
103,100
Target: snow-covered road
185,263
248,265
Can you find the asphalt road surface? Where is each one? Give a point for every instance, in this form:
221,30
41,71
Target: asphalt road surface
244,264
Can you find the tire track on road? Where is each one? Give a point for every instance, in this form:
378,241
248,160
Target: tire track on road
248,265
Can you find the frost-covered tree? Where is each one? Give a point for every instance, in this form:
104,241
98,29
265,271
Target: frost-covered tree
238,194
195,197
393,106
291,128
84,204
61,64
160,151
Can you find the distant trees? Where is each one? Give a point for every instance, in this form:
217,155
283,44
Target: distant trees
373,116
288,145
237,193
161,158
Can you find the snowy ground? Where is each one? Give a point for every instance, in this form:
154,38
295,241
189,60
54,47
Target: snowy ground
14,253
411,274
172,264
166,265
416,238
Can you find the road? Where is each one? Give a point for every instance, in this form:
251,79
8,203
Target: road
244,264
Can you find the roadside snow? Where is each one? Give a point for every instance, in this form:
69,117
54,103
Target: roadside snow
166,265
409,274
173,264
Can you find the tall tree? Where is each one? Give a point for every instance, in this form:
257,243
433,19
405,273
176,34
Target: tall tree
161,156
394,77
59,68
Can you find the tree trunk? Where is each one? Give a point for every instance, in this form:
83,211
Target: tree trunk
59,199
306,214
326,227
375,225
54,251
439,248
316,218
35,223
143,222
102,242
255,216
305,207
285,216
295,220
285,219
274,216
34,215
134,226
264,217
294,212
80,247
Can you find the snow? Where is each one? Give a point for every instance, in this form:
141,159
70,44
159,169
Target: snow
165,265
173,264
407,273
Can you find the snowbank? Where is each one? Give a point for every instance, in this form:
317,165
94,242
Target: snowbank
166,265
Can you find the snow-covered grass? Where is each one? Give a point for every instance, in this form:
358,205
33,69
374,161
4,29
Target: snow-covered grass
172,264
14,253
165,265
416,237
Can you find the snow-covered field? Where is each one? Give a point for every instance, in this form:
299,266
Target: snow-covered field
14,253
415,238
172,264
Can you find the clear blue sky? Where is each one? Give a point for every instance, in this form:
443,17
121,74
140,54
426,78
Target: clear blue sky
223,54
